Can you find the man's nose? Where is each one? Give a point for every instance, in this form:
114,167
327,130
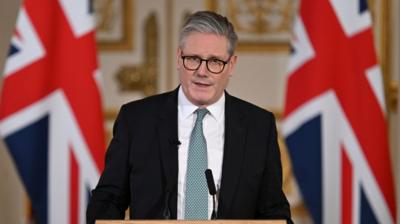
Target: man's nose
202,70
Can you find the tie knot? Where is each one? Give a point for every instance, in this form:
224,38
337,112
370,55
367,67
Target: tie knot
201,113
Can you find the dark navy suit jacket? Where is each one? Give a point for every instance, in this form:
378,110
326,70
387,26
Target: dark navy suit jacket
141,169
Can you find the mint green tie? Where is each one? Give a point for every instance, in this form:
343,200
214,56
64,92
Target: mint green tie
196,204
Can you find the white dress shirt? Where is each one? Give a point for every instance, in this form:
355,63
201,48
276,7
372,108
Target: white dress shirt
213,129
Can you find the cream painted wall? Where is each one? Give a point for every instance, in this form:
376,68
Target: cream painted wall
8,12
12,196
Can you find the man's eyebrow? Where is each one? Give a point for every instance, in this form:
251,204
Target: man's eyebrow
208,57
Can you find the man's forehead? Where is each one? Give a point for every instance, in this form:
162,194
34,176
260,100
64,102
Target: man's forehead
206,45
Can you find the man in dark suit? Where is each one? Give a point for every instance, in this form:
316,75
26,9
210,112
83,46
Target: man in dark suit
149,160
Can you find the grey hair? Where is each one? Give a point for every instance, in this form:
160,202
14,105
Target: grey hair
209,22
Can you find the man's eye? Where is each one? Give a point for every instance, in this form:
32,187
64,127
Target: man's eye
192,58
215,61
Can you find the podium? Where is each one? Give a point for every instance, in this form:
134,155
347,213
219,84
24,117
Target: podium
190,222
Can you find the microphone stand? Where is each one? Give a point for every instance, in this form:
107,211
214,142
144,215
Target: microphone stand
211,190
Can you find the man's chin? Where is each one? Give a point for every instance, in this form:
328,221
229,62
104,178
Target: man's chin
202,100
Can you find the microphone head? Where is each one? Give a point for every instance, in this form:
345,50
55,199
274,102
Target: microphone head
210,182
174,142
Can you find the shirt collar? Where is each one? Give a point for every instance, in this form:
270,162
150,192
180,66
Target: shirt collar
186,108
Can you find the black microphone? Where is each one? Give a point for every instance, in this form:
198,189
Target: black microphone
212,190
174,142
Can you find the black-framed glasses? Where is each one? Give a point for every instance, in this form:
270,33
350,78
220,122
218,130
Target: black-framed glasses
214,65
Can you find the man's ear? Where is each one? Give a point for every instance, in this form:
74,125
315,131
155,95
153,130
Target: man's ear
232,64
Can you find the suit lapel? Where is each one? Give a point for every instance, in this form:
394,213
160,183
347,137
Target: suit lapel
168,141
234,149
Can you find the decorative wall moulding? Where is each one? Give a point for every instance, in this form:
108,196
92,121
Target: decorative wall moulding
143,77
114,19
261,25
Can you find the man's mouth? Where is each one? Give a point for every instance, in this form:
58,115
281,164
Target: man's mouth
201,84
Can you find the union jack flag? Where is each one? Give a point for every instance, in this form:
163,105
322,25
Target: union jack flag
335,115
50,110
